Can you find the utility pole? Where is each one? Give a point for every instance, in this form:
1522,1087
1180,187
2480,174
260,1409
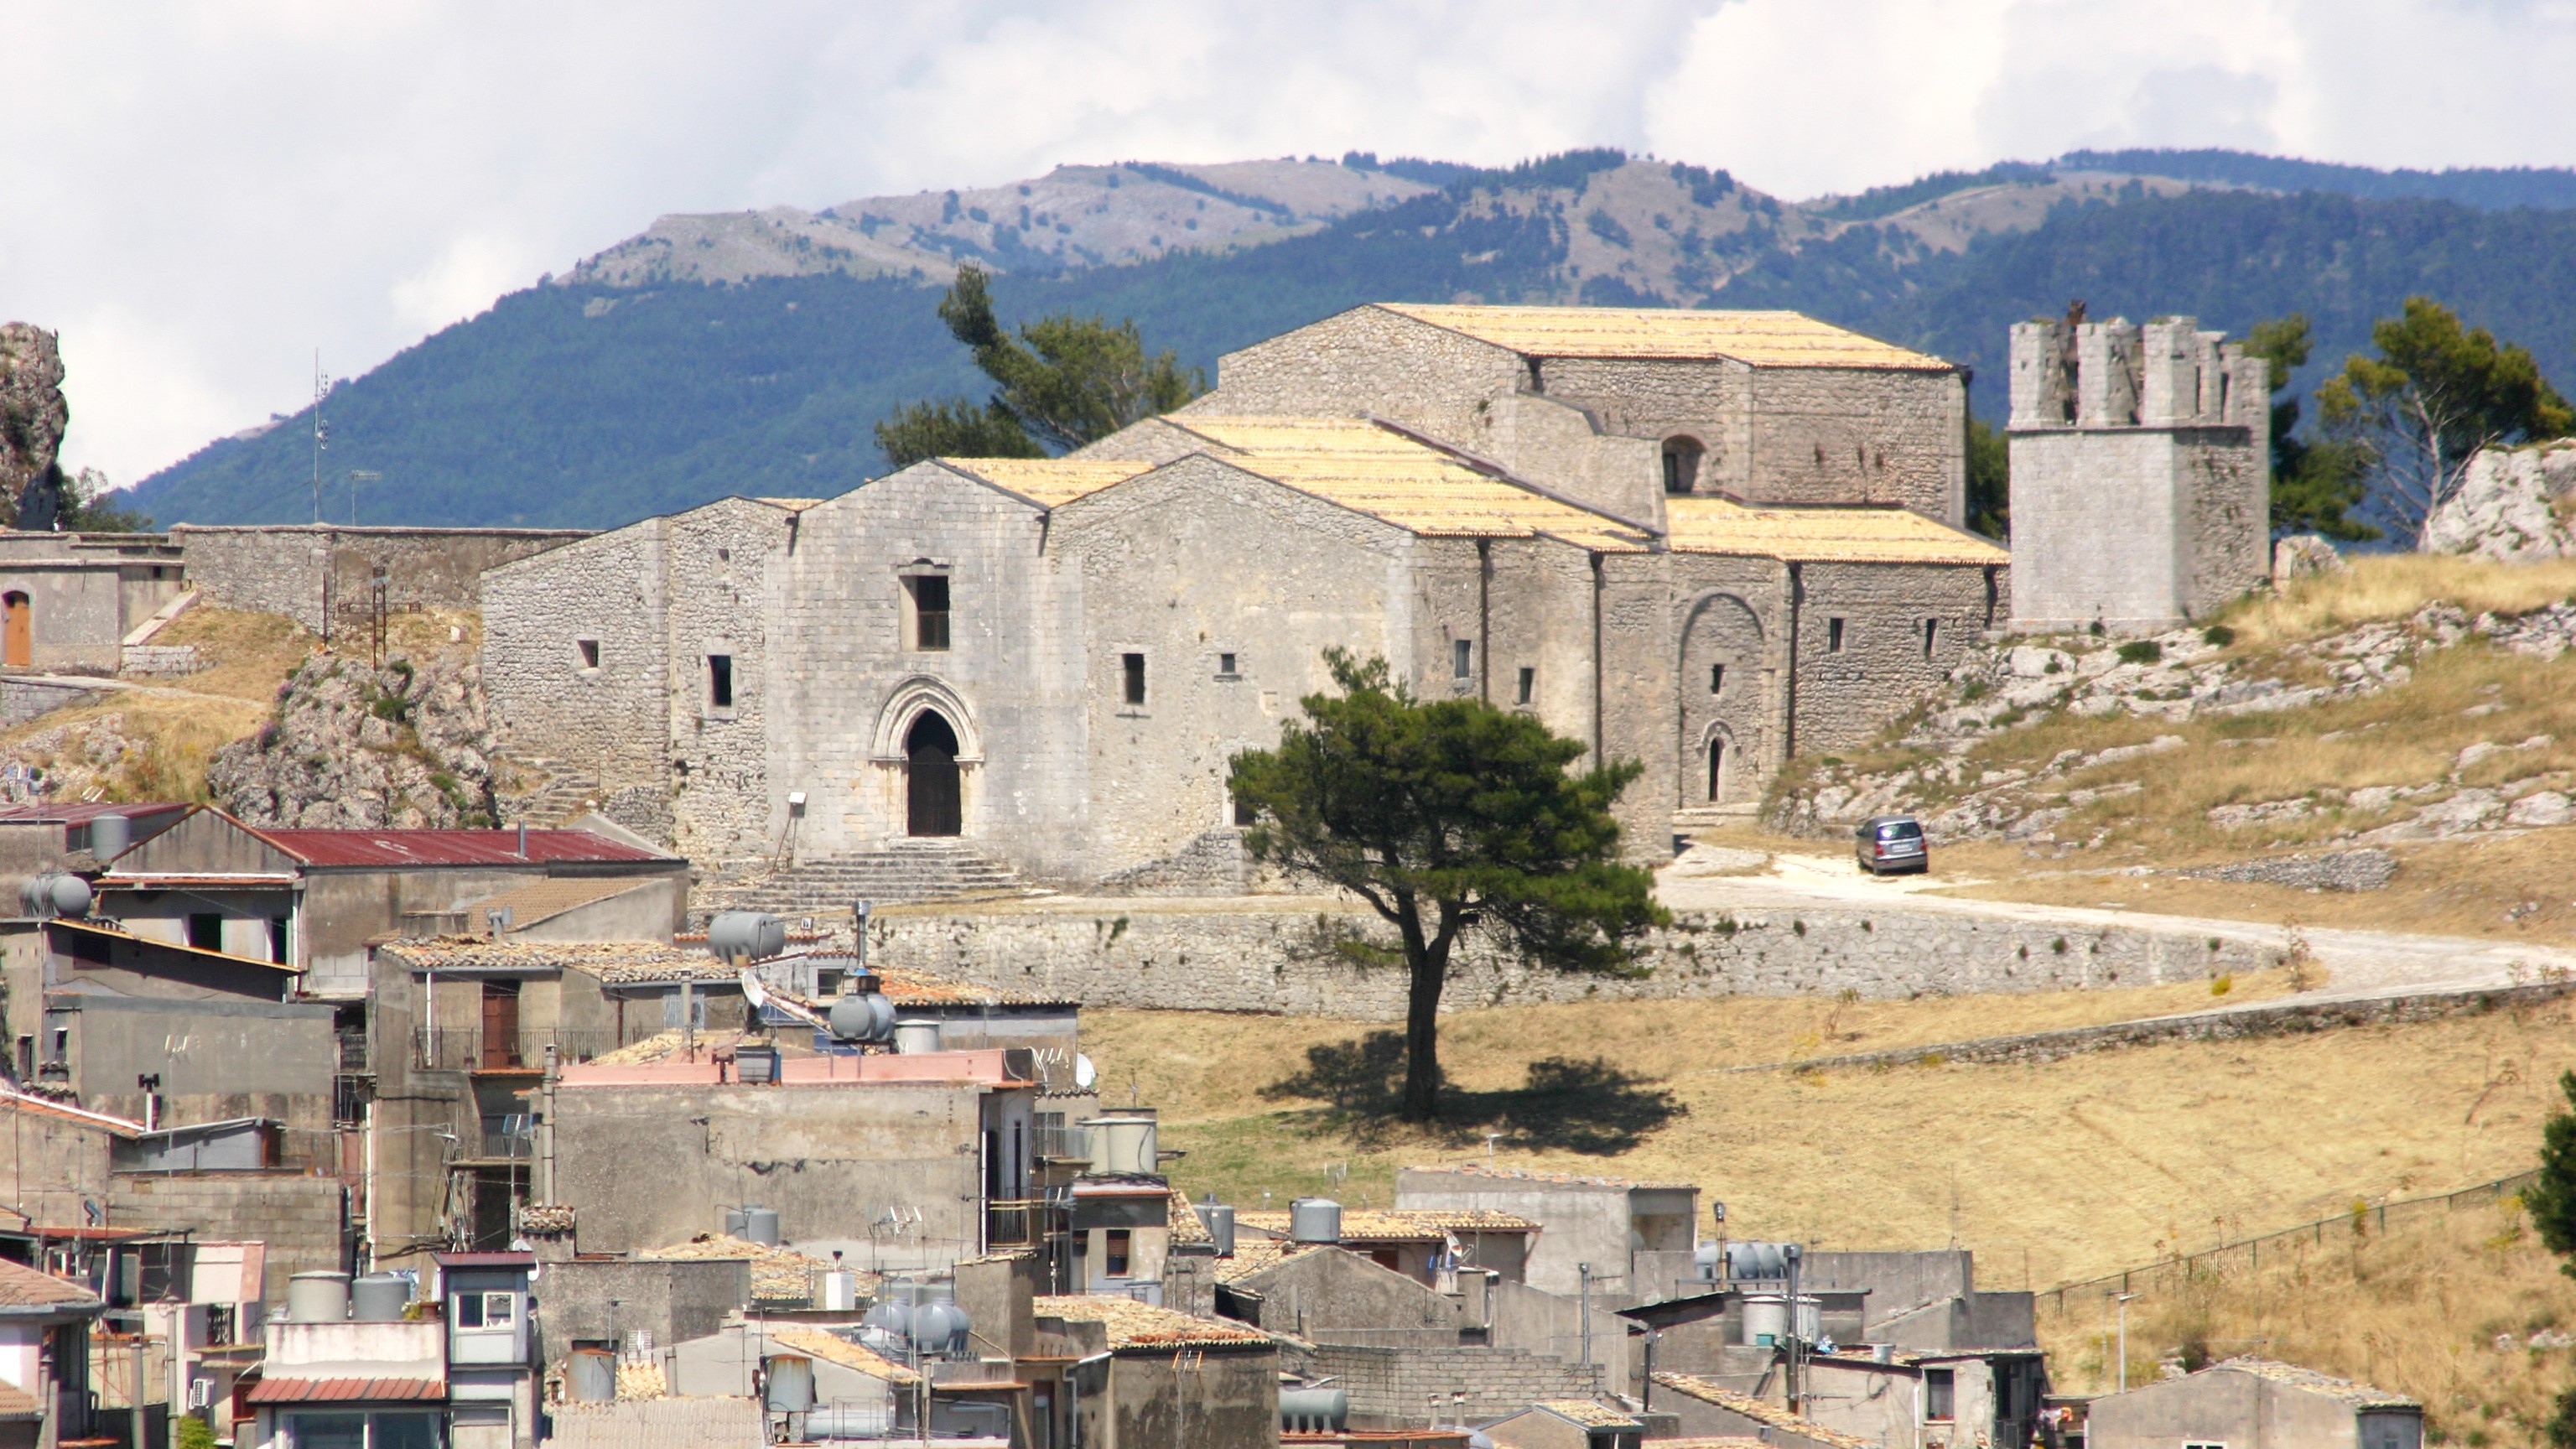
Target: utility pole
2124,1340
1586,1310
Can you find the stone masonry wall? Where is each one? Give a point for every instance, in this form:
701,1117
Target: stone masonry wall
1393,1387
1279,954
301,1217
1861,435
608,722
1883,668
296,570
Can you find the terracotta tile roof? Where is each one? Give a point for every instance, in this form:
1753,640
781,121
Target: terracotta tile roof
1821,534
24,1287
615,962
1374,470
1526,1174
1399,1225
1589,1414
1048,481
1142,1325
1752,1408
848,1355
1763,339
919,988
777,1274
542,900
1713,1441
1185,1226
1255,1255
343,1391
17,1403
2360,1396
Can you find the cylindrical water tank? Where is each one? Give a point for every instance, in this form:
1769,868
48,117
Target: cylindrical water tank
53,893
1705,1260
840,1291
938,1327
109,837
590,1376
379,1298
1218,1219
760,1225
737,1223
850,1421
317,1298
1124,1144
736,934
914,1035
1314,1220
791,1383
866,1017
1766,1318
1324,1410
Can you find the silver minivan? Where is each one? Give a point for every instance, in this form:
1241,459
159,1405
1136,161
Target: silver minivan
1891,842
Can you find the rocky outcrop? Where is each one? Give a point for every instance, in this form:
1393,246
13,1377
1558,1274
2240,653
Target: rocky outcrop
2303,555
2514,504
33,416
407,746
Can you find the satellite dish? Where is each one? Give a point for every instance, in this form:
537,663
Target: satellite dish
753,992
1084,1073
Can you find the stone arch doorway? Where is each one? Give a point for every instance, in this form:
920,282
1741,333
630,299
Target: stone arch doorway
1720,765
1682,457
17,630
1725,698
934,800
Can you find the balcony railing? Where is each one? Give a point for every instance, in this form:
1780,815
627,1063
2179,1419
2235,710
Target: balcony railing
1016,1223
468,1049
1063,1144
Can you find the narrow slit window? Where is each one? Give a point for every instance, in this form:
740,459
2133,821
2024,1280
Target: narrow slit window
1833,636
1529,683
1462,658
1931,636
720,680
930,613
1133,666
1717,679
589,652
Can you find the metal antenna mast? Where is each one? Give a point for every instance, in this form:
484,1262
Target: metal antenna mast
321,385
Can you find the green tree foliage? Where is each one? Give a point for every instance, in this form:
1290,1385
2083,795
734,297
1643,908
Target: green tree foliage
2315,482
1444,815
2435,394
2551,1201
1062,382
1989,481
87,507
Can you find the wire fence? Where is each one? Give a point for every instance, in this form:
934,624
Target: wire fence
2279,1246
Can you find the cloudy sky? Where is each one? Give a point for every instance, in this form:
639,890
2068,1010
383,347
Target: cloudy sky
198,195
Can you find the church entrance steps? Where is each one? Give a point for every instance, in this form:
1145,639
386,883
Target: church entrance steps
910,870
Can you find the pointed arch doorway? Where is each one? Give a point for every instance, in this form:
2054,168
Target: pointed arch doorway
933,796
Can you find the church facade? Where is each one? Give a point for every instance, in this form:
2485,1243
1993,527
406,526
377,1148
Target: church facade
1704,541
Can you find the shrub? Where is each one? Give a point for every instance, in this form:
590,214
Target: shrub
2142,651
2219,635
1974,690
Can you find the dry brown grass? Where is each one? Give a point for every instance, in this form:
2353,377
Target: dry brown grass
252,653
2416,1307
2053,1172
2392,586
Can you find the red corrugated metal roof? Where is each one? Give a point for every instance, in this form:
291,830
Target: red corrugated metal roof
336,1391
448,847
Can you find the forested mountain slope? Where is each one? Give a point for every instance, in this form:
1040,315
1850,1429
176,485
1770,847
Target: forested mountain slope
631,387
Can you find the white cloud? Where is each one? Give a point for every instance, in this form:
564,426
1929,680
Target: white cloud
201,193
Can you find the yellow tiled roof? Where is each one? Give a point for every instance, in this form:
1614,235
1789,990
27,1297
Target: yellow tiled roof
1142,1325
832,1349
1764,339
1752,1408
1255,1255
1587,1413
1372,470
792,505
1049,481
1399,1224
1821,535
777,1274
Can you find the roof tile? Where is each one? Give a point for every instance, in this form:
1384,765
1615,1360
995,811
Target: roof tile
24,1287
1822,534
1692,1386
1763,339
1142,1325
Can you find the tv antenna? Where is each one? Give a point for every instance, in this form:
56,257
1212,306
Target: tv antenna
321,386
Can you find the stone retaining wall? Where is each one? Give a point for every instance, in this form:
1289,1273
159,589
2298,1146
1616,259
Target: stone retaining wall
1307,957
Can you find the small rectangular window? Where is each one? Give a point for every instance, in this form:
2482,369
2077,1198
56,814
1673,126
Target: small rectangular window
1931,636
206,931
497,1308
720,680
1225,666
1717,679
1118,1249
278,941
1134,667
589,652
1462,658
1940,1394
1833,636
929,613
1529,683
469,1310
1244,814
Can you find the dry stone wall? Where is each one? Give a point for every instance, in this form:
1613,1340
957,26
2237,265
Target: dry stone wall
313,572
1286,955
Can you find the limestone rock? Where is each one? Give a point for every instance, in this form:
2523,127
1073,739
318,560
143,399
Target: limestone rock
405,746
2341,870
2514,504
33,416
2302,555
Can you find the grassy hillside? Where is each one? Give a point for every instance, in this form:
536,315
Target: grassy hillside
594,405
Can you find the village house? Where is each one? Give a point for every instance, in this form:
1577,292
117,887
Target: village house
2255,1403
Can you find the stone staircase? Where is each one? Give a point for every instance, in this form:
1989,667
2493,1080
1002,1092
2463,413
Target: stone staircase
908,870
560,797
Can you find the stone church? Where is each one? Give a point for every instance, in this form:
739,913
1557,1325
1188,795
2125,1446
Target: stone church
1699,540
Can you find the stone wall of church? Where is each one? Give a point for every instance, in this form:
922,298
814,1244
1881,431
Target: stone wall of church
1009,685
1730,642
1198,562
608,722
1657,399
1861,435
1371,361
722,561
1863,656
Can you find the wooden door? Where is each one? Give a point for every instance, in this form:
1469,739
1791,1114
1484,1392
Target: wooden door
19,631
931,788
501,1024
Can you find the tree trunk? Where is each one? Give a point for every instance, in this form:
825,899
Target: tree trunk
1427,971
